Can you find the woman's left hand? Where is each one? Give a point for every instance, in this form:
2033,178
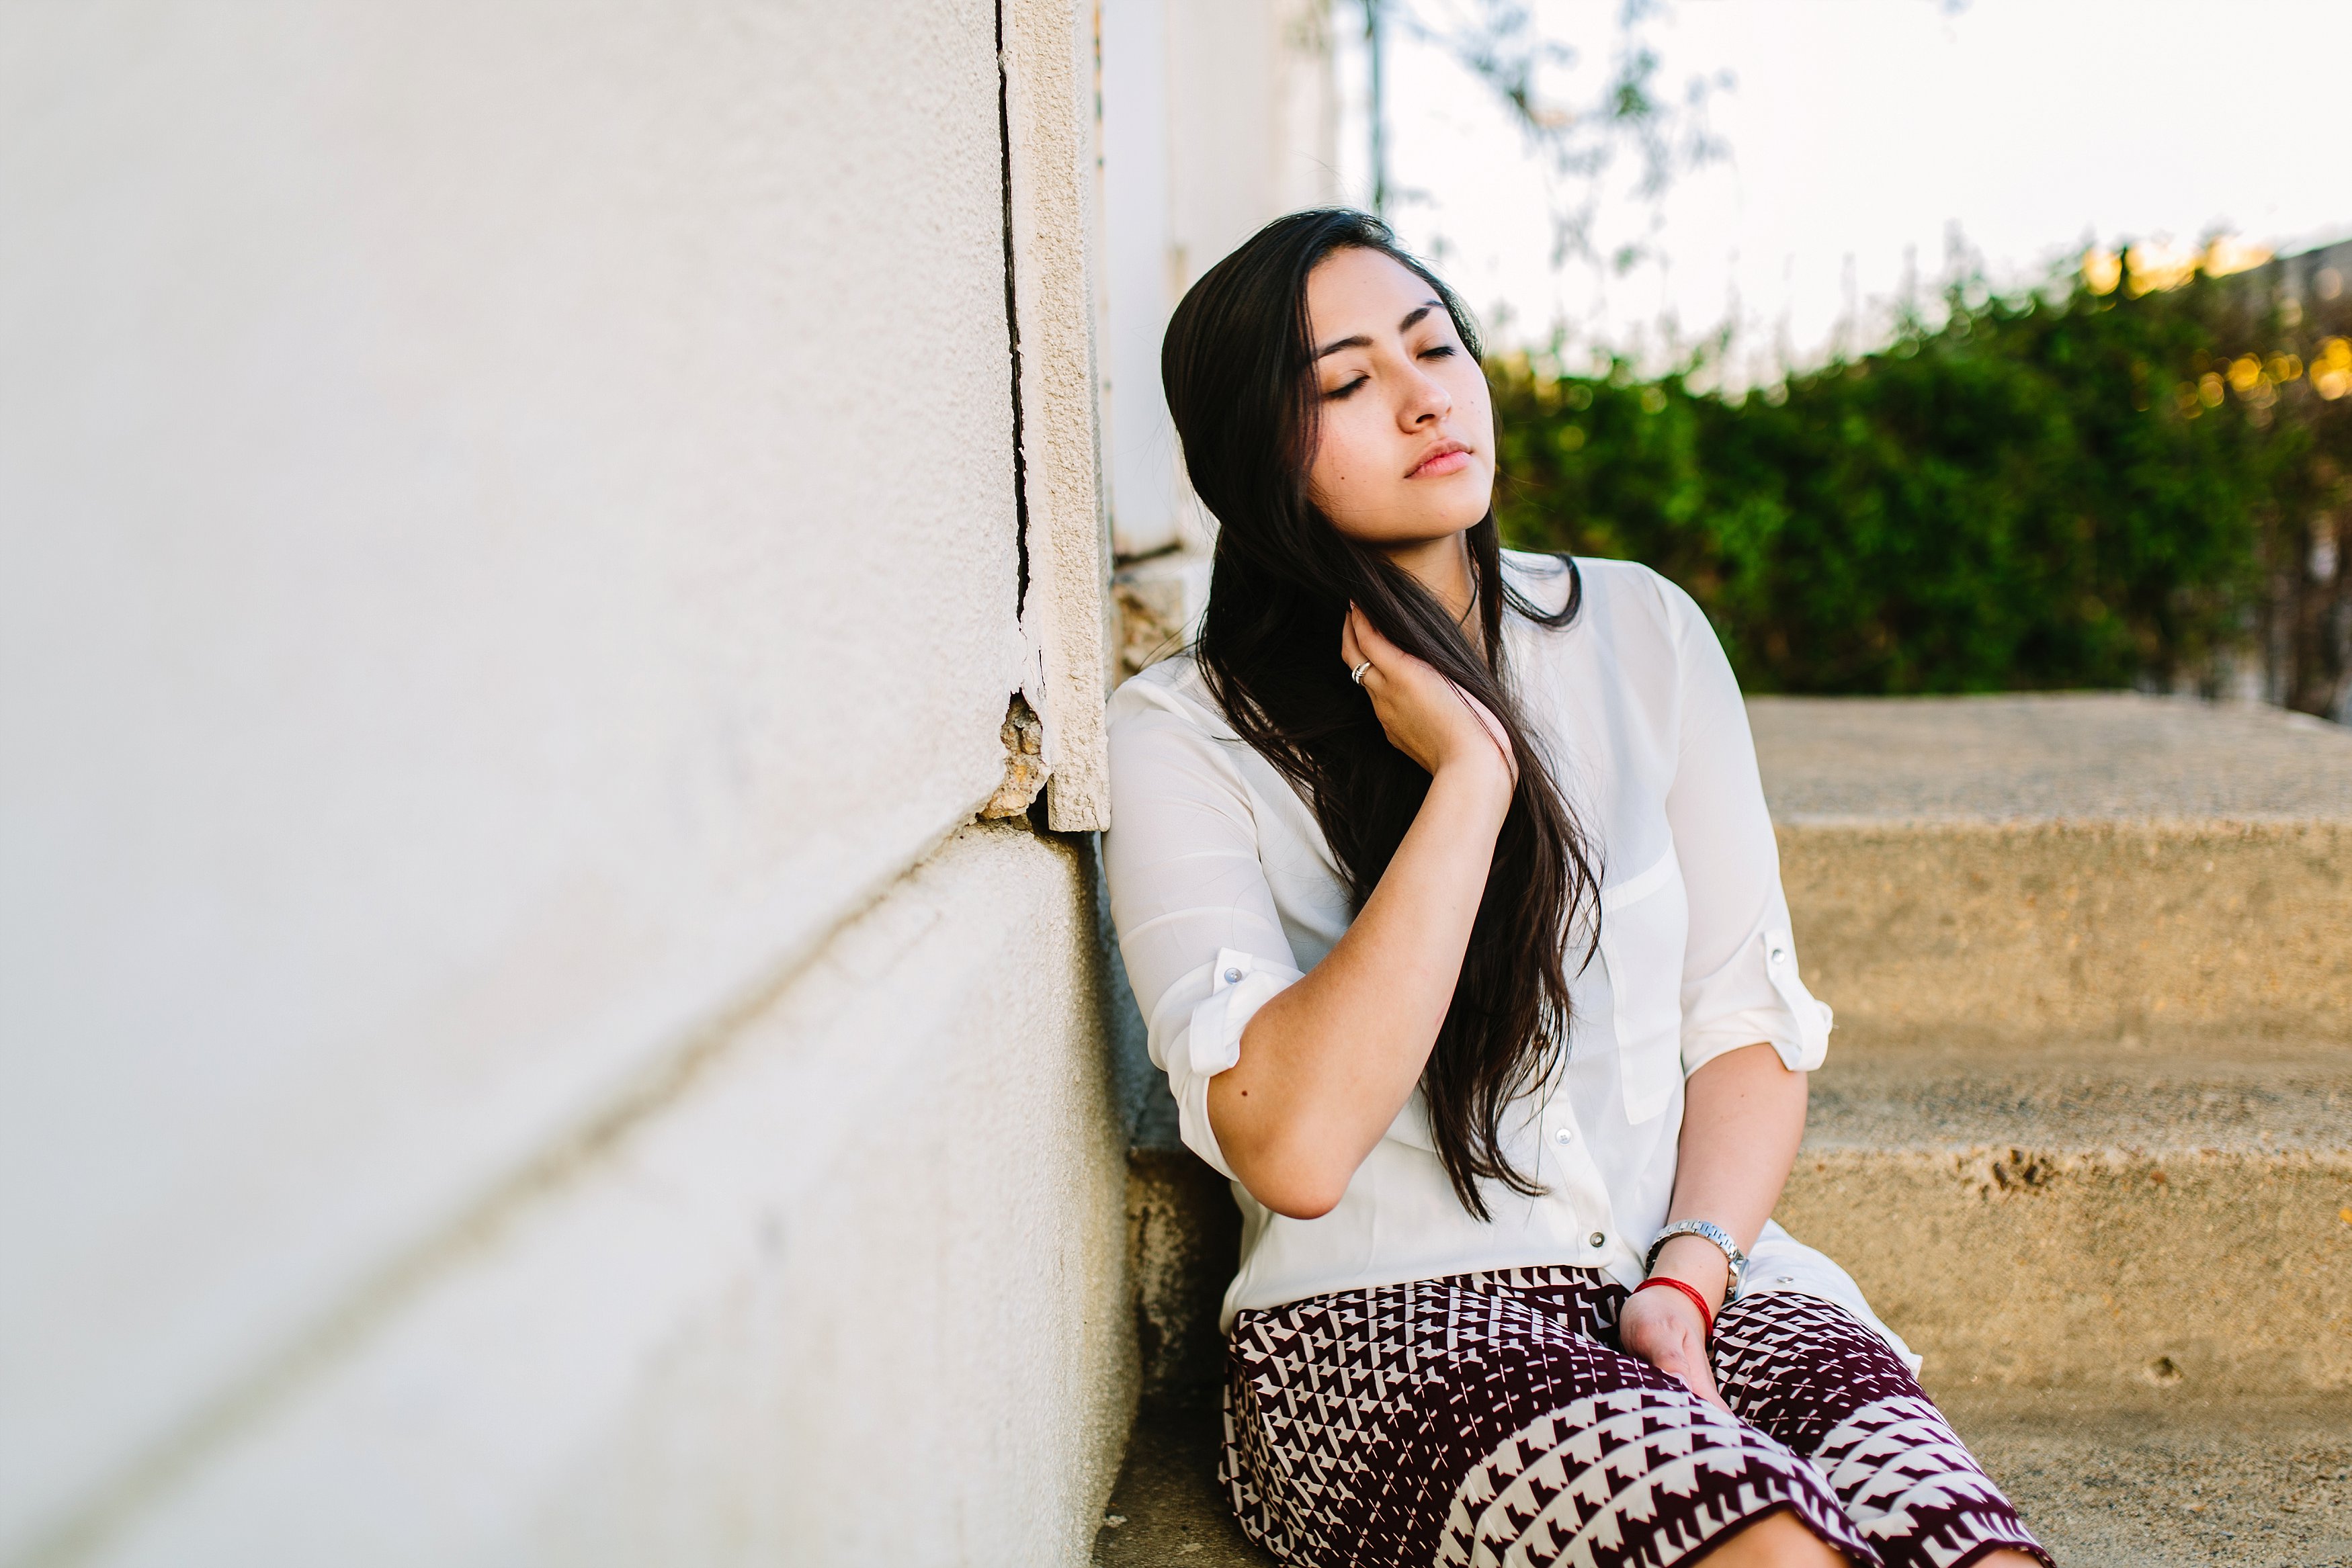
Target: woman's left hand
1664,1329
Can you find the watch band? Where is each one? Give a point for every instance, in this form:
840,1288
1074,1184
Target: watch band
1705,1230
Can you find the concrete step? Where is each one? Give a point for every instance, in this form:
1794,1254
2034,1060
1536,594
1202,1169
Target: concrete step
2062,1219
2077,933
2060,870
2130,1274
2161,1480
2252,1096
2040,1218
2085,1135
2170,1480
2139,1310
2067,757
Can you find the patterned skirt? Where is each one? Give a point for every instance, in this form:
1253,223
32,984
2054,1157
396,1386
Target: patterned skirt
1491,1419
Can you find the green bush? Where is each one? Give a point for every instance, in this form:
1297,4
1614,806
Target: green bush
2040,491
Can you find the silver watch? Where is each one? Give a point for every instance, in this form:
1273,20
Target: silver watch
1706,1230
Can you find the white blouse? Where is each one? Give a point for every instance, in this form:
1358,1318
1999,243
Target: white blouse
1225,892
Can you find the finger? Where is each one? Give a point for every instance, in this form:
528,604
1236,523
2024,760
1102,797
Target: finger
1701,1382
1675,1348
1704,1387
1690,1372
1688,1362
1364,648
1377,648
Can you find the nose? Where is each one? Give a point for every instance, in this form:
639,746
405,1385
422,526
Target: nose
1424,402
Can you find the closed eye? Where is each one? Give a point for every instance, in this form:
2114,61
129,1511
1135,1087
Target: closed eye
1344,389
1442,352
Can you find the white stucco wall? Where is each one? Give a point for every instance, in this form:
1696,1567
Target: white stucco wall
506,543
1218,116
852,1296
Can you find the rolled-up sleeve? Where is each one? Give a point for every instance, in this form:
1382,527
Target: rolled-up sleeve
1740,982
1198,929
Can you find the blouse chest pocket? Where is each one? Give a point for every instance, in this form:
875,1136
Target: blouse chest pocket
1644,923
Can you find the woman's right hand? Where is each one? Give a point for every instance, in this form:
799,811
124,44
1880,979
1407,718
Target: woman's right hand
1426,717
1325,1064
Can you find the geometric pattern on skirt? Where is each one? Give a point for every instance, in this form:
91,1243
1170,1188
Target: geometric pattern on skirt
1900,1472
1490,1421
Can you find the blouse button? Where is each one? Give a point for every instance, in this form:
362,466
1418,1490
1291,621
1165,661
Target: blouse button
1596,1239
1562,1135
1780,954
1233,977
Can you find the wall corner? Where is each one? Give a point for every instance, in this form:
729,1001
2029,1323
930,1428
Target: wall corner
1048,67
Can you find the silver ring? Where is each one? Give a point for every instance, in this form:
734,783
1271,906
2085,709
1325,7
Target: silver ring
1356,675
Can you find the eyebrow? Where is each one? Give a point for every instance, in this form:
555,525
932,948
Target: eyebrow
1413,318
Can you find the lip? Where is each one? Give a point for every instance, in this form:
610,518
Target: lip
1446,457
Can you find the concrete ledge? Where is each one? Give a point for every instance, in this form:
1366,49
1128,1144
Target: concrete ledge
2211,1092
2220,1272
2134,933
2171,1481
2073,757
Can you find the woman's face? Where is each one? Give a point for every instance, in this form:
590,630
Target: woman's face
1405,448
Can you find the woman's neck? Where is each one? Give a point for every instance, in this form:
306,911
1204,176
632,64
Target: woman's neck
1441,566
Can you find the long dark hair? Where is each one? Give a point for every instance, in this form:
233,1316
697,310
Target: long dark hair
1238,364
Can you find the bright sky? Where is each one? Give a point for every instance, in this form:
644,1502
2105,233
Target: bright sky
1868,129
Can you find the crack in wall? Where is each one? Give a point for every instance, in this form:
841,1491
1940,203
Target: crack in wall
1013,325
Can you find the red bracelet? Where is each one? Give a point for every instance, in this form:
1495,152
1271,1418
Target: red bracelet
1696,1299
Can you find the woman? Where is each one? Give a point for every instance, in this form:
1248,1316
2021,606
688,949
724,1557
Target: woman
1445,879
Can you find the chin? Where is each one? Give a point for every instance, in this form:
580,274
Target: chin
1461,512
1421,517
